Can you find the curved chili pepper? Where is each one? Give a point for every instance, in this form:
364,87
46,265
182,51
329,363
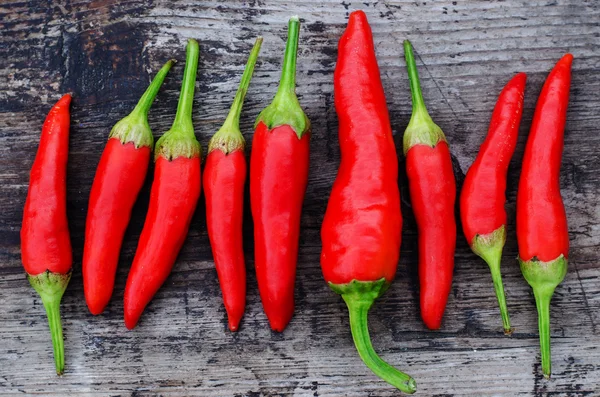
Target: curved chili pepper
542,231
432,194
224,178
118,181
173,197
278,178
361,231
45,241
484,190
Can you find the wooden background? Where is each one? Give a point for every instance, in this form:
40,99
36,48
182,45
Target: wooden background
105,52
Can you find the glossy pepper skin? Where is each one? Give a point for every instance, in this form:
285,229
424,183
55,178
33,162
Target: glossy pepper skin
362,228
45,241
542,231
118,181
173,198
224,178
278,178
432,194
484,190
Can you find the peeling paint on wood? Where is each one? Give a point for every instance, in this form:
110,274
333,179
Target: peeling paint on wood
105,53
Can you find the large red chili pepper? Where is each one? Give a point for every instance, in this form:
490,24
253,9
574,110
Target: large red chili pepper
173,199
484,190
278,178
542,230
361,231
118,181
224,178
45,242
432,194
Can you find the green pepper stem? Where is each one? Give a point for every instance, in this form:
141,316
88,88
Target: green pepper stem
183,117
285,108
359,308
51,287
544,277
232,122
489,247
143,105
287,84
542,302
494,265
420,129
180,140
52,307
419,110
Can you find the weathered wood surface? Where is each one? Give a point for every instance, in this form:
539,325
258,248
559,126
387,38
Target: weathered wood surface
105,53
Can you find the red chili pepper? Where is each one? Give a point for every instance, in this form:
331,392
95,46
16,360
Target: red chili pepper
361,231
224,178
483,194
542,230
278,178
45,242
173,199
432,194
118,181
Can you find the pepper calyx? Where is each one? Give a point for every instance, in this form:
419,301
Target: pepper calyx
370,290
227,141
421,130
489,246
544,275
173,144
285,110
135,129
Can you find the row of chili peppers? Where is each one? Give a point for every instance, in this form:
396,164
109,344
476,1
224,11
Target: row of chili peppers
361,231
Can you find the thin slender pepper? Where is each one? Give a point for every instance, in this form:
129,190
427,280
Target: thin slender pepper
484,191
118,181
542,231
361,231
45,241
224,178
278,178
432,194
173,197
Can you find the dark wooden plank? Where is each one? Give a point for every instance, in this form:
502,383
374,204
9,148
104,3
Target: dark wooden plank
105,52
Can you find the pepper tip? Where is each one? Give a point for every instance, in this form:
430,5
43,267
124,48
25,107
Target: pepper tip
233,320
233,326
65,100
433,323
521,76
567,58
131,319
358,13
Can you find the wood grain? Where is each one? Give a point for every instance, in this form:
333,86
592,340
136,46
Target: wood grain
106,52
